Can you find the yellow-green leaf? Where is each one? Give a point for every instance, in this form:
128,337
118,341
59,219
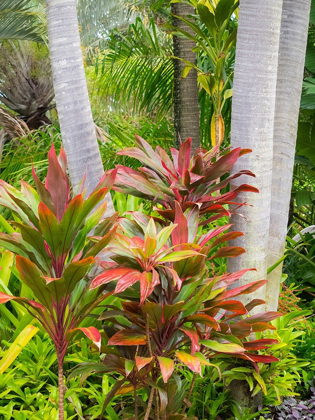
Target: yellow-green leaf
17,346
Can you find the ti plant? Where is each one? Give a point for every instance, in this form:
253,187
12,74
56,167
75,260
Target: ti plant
173,313
215,36
184,178
54,254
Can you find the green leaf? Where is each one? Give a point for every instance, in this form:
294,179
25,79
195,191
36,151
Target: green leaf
50,229
129,365
222,347
178,256
310,58
17,346
68,223
6,263
163,236
207,17
32,277
223,11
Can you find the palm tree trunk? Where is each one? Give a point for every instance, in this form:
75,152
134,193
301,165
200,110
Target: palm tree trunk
253,111
186,103
293,39
61,390
72,98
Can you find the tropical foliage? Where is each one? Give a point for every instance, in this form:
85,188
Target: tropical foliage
135,315
54,252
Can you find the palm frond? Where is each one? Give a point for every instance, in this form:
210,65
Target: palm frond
137,70
19,19
98,18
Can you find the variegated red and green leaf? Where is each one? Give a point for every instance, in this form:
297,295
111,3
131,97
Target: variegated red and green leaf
128,337
167,367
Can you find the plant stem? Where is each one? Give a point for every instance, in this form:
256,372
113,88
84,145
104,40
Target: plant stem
147,332
147,414
61,389
190,392
136,402
157,416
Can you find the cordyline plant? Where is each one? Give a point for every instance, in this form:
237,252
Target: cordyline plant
55,253
184,178
172,313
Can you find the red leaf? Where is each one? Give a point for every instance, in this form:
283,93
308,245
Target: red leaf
228,279
222,165
259,344
107,180
180,233
57,183
128,337
246,188
263,317
111,275
148,281
4,298
258,358
127,281
204,319
255,302
241,329
228,251
231,305
184,157
141,362
262,326
92,333
230,236
213,233
244,290
190,361
192,334
167,368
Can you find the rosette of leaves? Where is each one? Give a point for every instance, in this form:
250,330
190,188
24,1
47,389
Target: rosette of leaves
172,313
54,252
183,178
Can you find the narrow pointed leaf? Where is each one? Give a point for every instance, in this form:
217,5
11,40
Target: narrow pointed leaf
127,337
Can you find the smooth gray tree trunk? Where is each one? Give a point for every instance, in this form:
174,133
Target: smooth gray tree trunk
186,103
293,40
253,111
72,98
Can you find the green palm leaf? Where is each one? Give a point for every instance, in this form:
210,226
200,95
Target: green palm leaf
137,70
22,19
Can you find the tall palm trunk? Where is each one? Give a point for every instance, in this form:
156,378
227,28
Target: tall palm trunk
72,99
293,39
186,104
253,110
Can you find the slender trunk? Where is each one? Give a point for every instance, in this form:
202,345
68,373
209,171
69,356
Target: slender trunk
217,131
136,402
150,402
191,388
252,127
72,98
293,39
186,103
157,410
61,389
